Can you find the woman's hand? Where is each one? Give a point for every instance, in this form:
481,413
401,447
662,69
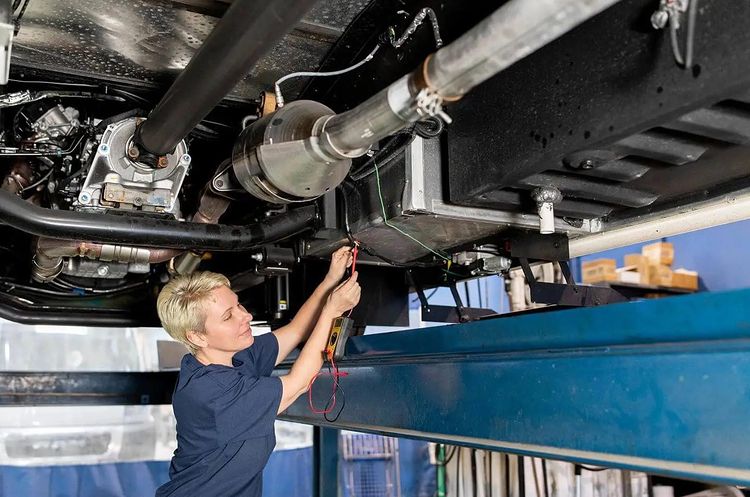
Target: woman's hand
345,296
340,260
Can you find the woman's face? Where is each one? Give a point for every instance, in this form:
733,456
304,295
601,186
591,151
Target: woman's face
227,326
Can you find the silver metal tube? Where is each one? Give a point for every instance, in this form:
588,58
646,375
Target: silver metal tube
715,212
49,255
511,33
351,133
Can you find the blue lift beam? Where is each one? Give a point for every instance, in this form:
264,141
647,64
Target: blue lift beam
660,386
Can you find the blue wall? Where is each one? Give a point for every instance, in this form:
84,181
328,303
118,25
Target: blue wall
720,255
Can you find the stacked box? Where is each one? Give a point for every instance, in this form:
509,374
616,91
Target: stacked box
659,257
660,275
682,278
599,271
661,253
635,263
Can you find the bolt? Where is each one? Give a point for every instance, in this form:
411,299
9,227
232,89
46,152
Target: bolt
84,198
219,183
186,159
659,19
586,164
133,152
102,270
163,162
110,195
104,148
138,201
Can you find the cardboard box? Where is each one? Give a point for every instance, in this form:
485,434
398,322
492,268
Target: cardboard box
659,253
599,270
660,275
640,262
683,278
629,274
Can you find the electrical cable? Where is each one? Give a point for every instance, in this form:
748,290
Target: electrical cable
124,288
56,153
355,251
396,43
430,127
310,74
335,418
387,223
17,21
40,181
363,246
28,288
331,403
687,61
386,155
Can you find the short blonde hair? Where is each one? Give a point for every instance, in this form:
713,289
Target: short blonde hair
181,304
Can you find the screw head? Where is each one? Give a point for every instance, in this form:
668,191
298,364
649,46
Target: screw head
84,198
104,148
133,152
186,159
102,270
586,164
110,195
219,183
138,201
163,161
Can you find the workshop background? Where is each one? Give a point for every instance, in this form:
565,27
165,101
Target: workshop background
117,451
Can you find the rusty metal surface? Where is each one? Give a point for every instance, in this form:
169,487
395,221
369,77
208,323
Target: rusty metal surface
151,41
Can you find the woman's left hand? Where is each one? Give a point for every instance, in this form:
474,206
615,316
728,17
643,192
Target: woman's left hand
340,260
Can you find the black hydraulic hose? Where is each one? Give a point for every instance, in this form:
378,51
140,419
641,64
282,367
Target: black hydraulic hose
148,231
246,32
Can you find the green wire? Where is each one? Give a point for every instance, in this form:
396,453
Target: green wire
387,223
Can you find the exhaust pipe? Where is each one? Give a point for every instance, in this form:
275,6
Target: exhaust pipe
512,32
48,260
151,232
278,169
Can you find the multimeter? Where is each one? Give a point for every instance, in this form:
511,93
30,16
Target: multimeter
340,331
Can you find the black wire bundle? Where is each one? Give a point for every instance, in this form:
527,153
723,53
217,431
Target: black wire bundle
337,388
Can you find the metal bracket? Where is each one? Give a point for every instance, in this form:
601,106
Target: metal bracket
445,313
568,294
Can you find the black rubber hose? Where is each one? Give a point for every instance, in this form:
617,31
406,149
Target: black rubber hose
248,30
148,231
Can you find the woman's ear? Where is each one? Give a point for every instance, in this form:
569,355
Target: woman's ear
196,338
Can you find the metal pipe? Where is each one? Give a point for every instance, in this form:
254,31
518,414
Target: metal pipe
48,260
246,32
511,33
724,210
210,210
151,232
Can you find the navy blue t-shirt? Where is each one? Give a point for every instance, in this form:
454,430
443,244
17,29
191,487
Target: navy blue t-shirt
225,424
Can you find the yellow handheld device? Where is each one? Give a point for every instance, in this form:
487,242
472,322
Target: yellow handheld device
340,331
